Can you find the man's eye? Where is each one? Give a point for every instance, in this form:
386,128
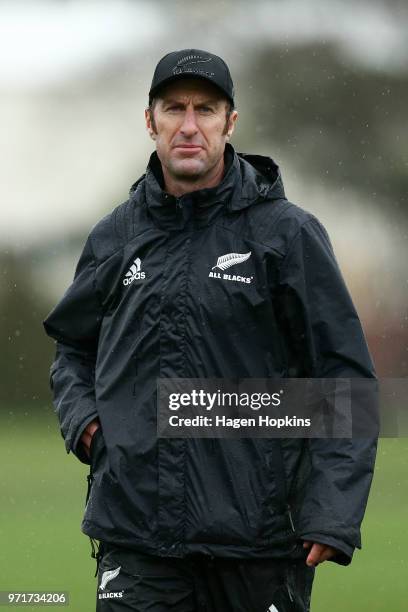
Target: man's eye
205,109
174,107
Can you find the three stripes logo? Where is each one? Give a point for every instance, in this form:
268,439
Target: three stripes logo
134,273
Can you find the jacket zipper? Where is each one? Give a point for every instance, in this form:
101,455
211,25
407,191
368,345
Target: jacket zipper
288,509
288,585
90,479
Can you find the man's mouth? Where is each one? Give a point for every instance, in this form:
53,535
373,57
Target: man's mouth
189,147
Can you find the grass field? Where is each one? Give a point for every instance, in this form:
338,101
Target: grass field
42,496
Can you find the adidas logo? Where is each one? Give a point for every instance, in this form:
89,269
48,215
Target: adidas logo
134,272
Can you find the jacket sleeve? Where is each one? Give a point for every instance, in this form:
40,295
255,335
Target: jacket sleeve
74,323
327,338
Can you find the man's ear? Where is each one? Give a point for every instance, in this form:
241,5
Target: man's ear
231,123
149,128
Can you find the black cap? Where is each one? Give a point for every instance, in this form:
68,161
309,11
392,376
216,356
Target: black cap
192,63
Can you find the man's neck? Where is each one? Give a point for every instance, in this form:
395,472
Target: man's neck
177,187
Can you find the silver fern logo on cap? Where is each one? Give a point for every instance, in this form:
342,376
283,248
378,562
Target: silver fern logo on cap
230,259
191,59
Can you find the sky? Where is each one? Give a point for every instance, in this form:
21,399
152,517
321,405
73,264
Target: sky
47,42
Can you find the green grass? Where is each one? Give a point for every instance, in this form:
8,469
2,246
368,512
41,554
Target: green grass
42,493
377,578
42,500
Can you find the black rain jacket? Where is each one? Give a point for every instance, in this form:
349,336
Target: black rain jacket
143,305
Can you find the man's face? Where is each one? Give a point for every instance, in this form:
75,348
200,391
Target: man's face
190,128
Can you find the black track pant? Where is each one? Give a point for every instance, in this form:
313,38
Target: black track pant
129,580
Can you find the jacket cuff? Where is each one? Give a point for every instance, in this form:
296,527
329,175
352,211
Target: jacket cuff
345,554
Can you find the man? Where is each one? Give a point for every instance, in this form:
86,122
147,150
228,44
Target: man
206,524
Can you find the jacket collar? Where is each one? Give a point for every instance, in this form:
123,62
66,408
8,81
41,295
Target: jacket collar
248,179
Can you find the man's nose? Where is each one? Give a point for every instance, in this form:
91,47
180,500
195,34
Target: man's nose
189,126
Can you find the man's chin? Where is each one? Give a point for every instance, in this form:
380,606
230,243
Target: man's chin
187,171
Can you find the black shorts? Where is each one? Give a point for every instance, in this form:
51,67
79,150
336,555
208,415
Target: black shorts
130,580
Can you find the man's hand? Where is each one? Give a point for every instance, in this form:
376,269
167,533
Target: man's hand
88,433
318,553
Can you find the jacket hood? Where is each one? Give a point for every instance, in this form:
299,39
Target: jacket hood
261,179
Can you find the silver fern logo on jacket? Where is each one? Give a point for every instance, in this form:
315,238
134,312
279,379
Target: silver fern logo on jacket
108,576
228,260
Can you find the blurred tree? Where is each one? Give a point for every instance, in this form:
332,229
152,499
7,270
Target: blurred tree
343,124
26,351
